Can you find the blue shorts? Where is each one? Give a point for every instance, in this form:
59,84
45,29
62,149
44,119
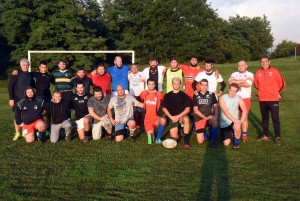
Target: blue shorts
122,126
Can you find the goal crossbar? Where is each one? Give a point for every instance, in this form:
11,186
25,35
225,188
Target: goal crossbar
77,52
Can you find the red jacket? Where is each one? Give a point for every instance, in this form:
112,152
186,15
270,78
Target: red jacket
269,84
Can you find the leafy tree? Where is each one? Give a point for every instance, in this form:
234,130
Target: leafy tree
284,49
53,25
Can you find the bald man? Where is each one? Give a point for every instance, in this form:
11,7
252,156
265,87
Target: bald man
119,75
123,108
244,79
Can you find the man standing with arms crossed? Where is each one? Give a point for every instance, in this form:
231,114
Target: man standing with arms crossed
155,72
244,79
269,83
212,78
229,118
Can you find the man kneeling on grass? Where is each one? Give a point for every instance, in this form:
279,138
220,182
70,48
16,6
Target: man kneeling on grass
229,118
206,113
28,115
97,106
176,105
59,110
82,116
123,108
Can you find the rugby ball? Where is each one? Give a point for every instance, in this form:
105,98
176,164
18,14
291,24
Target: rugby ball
169,143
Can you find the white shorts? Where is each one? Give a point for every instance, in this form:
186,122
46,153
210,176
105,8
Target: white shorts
97,128
80,123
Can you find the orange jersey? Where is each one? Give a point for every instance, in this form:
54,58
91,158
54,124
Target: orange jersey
151,103
269,83
189,77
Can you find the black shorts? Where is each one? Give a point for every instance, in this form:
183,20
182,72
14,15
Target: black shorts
226,133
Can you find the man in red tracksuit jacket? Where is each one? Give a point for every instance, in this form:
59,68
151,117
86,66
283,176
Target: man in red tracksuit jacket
269,83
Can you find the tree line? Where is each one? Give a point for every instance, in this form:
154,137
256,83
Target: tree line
164,28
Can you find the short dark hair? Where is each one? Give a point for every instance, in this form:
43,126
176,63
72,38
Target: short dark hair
43,62
153,58
265,57
208,61
101,65
80,68
135,64
173,58
79,82
62,60
150,80
97,89
192,57
204,80
235,85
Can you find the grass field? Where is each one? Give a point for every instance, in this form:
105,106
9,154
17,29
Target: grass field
103,170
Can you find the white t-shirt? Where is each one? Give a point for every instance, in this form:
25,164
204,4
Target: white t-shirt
136,83
244,92
212,80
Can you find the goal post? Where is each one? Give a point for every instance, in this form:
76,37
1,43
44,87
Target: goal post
78,52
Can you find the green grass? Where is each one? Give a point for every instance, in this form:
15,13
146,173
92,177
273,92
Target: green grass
102,170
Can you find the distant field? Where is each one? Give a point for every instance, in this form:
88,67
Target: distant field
102,170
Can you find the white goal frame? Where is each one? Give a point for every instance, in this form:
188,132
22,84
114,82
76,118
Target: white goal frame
77,52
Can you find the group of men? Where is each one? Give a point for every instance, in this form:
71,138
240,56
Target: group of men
122,96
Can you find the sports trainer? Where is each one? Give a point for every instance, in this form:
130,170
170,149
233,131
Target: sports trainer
269,83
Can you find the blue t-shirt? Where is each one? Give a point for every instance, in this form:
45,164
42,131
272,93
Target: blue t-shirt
119,76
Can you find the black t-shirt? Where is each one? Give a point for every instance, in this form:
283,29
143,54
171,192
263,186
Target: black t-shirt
175,103
204,103
155,77
42,83
80,105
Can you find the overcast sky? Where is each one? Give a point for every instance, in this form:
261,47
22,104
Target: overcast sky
284,15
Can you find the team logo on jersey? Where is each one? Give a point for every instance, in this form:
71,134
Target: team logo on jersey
86,97
66,75
203,101
259,75
35,107
270,73
208,95
81,101
24,108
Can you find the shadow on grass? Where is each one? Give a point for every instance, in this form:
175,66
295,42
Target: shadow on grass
214,182
257,125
